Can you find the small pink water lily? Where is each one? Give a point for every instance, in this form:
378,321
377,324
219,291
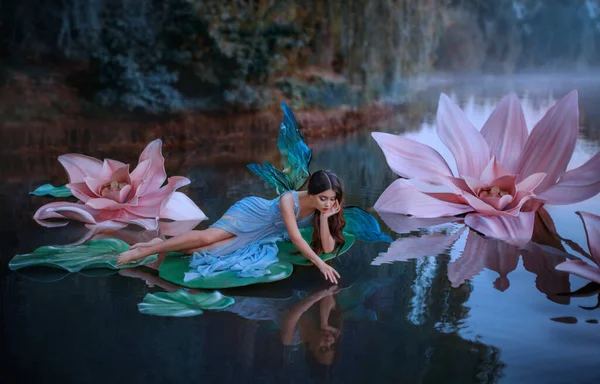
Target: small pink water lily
504,175
591,223
112,197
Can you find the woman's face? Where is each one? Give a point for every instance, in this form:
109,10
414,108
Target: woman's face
324,348
324,201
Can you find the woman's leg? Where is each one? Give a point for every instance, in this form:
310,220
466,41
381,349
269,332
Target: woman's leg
186,241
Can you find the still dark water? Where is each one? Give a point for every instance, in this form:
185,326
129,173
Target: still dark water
463,310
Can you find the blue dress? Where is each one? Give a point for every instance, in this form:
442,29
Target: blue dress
258,225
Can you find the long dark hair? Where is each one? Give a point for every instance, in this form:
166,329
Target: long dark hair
318,182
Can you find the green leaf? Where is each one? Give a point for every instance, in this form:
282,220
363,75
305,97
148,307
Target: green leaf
289,252
182,303
50,190
100,253
296,157
363,225
176,265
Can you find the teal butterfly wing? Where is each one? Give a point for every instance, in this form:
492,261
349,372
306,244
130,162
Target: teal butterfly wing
363,225
296,157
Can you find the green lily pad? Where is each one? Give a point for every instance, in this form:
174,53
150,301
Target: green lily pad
175,266
100,253
289,252
51,190
182,303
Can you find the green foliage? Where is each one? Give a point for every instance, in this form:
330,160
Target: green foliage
101,253
50,190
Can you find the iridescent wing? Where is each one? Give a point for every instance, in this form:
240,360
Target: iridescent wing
296,157
363,225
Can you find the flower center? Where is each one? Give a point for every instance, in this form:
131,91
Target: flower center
113,186
491,192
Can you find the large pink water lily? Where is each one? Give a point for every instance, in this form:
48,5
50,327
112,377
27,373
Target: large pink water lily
111,197
504,175
580,268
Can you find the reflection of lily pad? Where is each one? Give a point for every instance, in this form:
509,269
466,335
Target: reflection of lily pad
363,225
51,190
73,258
287,250
175,266
182,303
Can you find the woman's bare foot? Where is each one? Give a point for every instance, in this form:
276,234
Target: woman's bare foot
130,255
154,241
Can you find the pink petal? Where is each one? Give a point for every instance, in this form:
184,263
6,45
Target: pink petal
581,269
109,167
492,171
518,203
405,224
124,193
79,166
66,211
498,203
123,216
139,174
107,226
410,159
148,224
591,223
102,203
466,143
480,253
576,185
402,197
181,207
531,182
406,248
551,143
94,186
81,191
174,228
506,183
514,230
151,204
480,206
156,175
473,185
122,175
506,131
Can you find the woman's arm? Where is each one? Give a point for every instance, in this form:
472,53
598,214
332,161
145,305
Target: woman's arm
291,319
327,241
289,218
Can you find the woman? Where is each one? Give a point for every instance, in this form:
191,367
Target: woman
253,220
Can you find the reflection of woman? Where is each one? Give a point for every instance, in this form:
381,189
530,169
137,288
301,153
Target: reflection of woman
319,328
253,220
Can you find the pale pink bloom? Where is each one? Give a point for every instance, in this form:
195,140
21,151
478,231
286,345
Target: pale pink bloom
111,197
580,268
504,175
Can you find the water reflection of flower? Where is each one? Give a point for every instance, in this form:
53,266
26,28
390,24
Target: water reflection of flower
580,268
539,256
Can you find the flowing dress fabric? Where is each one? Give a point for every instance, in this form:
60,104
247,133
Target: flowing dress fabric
257,224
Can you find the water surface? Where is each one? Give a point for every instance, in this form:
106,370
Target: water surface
469,310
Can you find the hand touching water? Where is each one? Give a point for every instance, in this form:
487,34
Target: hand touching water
328,272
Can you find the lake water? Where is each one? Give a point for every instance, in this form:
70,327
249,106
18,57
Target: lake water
442,305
